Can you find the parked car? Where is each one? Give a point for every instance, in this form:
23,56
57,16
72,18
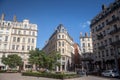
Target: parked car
81,72
110,73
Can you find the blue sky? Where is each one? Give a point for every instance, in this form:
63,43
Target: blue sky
75,15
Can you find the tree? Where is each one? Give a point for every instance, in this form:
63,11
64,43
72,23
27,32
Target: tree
12,60
36,58
41,60
53,60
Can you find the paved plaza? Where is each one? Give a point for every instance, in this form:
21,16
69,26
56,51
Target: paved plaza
17,76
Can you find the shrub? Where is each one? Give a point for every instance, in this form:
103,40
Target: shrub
2,71
50,75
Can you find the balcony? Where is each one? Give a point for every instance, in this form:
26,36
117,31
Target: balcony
101,47
100,36
114,31
115,43
100,28
113,20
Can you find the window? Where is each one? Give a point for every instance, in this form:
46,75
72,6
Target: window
62,30
18,39
23,48
63,36
88,44
63,43
5,46
99,54
24,32
63,58
14,39
83,44
113,17
117,37
106,21
59,50
29,32
13,47
83,50
17,47
111,51
103,24
101,43
8,24
82,39
102,53
88,39
110,40
104,33
107,53
115,27
28,40
15,31
23,40
59,36
119,51
6,38
106,42
19,32
32,40
33,33
98,44
28,47
59,43
62,50
92,30
32,47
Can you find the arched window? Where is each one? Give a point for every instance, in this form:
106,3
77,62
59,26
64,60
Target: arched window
59,43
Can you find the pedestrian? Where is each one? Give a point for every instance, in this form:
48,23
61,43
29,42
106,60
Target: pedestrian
86,73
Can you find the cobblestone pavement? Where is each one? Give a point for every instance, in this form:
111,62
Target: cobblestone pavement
17,76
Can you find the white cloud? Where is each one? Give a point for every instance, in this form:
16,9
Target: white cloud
85,24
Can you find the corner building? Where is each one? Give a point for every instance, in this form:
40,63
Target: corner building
61,41
105,28
17,38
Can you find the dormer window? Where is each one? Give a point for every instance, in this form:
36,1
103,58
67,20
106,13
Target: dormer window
62,30
25,26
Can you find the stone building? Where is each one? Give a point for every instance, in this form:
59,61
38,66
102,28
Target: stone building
77,57
61,41
17,38
86,51
105,28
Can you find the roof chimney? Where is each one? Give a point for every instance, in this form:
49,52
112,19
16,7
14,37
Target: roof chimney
80,34
90,34
86,34
103,7
3,16
14,18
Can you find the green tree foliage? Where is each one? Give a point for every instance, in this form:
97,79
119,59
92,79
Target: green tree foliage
42,60
12,60
53,59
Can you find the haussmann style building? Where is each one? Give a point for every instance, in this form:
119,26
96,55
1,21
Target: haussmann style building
61,41
87,56
105,28
17,38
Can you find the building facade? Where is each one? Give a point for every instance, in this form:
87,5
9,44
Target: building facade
17,38
61,41
105,28
77,57
86,51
